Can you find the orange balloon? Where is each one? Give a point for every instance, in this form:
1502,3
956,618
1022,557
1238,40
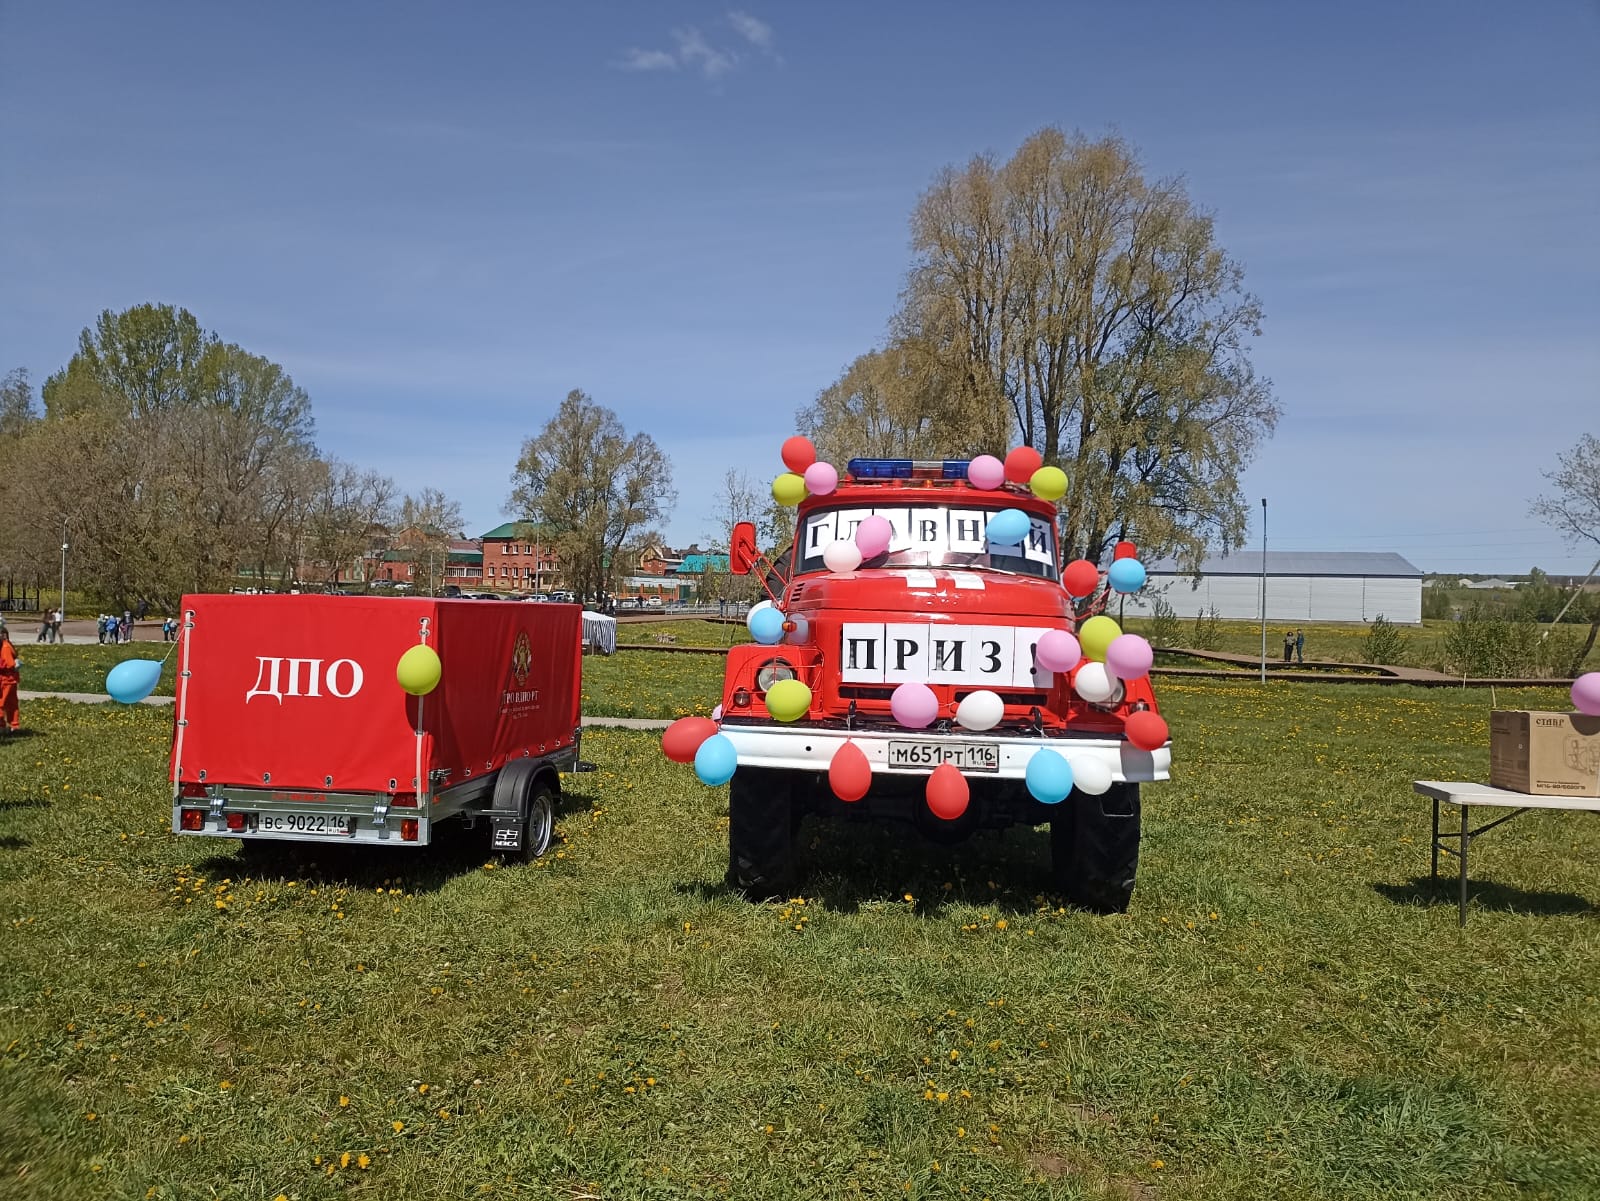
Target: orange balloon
947,792
849,774
1146,729
1021,463
683,737
798,454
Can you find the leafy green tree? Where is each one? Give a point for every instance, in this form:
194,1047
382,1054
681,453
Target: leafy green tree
147,359
592,487
429,521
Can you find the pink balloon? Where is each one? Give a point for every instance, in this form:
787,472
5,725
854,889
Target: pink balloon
873,535
914,705
1129,657
986,472
1058,651
1586,693
821,479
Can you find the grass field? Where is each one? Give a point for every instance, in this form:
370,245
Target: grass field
1282,1014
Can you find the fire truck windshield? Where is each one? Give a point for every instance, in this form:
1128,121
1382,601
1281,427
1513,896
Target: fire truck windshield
931,535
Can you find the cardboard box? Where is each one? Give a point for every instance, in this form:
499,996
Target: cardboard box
1544,754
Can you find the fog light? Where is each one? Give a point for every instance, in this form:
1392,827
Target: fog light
192,819
235,821
408,829
741,698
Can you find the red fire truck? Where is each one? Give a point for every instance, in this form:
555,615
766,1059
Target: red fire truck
947,608
291,723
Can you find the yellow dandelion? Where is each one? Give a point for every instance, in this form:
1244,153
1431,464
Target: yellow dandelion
344,1102
423,1089
225,1085
344,1160
397,1125
362,1161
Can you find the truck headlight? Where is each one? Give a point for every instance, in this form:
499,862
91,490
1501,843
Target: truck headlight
772,671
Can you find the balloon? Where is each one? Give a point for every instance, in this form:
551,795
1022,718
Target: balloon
1049,776
980,710
418,670
1586,693
716,760
1125,550
1146,729
842,555
766,625
1080,577
947,792
849,774
788,700
132,680
1022,463
798,453
873,535
1008,527
821,479
1096,635
1129,657
789,488
914,705
986,472
800,634
1048,483
1091,775
1094,683
1126,575
682,738
1057,651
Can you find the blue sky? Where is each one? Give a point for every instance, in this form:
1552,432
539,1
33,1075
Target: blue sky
440,219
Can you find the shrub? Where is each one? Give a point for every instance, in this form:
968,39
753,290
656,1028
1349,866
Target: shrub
1386,642
1164,624
1208,629
1435,601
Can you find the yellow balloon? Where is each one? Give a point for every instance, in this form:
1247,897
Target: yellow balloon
789,488
1096,635
1049,483
418,670
788,700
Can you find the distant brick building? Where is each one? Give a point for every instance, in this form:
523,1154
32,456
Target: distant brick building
462,566
515,559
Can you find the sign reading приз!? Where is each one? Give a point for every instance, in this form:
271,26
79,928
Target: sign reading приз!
916,652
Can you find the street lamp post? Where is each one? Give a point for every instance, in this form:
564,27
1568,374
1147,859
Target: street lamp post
1263,590
63,609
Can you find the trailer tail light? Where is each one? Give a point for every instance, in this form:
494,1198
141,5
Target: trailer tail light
408,829
236,821
193,790
404,800
192,819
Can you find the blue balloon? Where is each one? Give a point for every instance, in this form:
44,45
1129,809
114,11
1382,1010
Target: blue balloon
716,760
1126,575
133,679
1049,776
766,625
1008,527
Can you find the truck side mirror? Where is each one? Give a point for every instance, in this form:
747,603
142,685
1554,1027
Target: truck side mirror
742,549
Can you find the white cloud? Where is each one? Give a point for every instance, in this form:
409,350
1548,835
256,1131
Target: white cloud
634,59
757,32
695,53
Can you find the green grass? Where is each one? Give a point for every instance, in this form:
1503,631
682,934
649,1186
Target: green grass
1281,1015
75,667
690,631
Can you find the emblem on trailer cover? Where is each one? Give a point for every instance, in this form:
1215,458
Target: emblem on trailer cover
521,659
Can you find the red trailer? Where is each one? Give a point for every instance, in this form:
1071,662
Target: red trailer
291,724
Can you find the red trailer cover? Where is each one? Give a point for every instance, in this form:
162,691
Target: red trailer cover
299,692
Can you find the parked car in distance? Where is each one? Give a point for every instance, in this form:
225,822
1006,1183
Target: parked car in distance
629,602
655,602
563,598
537,597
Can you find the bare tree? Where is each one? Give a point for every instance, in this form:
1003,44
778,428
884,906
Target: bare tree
429,522
1573,507
350,510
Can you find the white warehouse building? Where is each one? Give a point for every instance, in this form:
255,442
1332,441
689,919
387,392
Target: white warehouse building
1302,586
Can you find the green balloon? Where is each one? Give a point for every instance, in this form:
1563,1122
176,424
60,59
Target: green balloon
418,670
1096,636
788,700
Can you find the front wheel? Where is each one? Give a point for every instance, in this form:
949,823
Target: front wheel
761,833
1094,849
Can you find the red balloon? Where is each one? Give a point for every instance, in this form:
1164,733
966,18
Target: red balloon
1146,729
947,792
849,775
683,737
1125,550
1080,577
798,454
1022,463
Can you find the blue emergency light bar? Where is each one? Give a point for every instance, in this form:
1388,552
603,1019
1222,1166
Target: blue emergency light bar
908,469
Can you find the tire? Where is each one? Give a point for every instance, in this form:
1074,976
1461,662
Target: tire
1094,849
539,820
761,834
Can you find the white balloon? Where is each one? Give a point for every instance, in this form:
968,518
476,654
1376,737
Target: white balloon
1091,775
980,710
843,555
1094,683
801,634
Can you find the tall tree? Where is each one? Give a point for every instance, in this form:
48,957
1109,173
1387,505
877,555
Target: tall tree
350,510
1573,507
17,411
592,487
1070,303
428,523
147,359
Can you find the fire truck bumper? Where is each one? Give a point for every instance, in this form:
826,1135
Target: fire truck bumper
914,753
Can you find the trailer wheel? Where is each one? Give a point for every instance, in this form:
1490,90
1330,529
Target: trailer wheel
761,834
539,822
1094,849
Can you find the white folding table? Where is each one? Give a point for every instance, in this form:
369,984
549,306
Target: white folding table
1466,796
